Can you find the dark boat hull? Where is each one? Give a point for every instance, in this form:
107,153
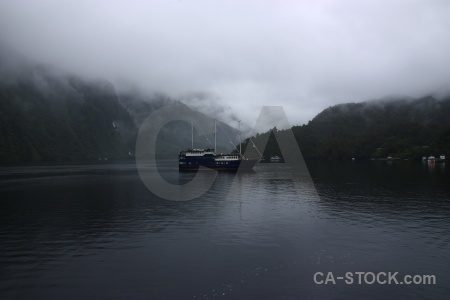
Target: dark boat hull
195,164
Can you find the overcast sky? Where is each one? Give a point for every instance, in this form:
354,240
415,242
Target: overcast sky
241,55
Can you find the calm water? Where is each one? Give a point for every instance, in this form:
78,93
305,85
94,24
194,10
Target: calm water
96,232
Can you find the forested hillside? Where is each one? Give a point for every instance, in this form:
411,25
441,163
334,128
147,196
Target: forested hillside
49,115
45,117
401,128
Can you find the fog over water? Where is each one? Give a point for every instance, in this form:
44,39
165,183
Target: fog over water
232,57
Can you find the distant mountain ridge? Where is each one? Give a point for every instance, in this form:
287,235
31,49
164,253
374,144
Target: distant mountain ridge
401,128
49,115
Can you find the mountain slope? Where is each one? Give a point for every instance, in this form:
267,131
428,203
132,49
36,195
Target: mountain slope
177,135
49,115
45,117
403,128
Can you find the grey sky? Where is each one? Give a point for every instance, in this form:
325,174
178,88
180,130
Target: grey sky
303,55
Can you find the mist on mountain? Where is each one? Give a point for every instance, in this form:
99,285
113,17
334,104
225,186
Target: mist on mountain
403,128
49,115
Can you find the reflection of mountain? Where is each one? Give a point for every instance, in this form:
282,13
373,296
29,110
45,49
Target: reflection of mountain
49,115
399,128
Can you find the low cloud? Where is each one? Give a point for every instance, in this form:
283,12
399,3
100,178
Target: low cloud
229,58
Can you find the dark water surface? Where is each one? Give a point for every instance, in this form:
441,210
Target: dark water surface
95,231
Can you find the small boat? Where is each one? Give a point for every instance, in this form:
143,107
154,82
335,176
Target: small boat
275,158
441,159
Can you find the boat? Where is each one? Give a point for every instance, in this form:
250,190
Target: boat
441,159
275,158
193,159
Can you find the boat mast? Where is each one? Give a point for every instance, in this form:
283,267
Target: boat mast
240,143
215,135
192,134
